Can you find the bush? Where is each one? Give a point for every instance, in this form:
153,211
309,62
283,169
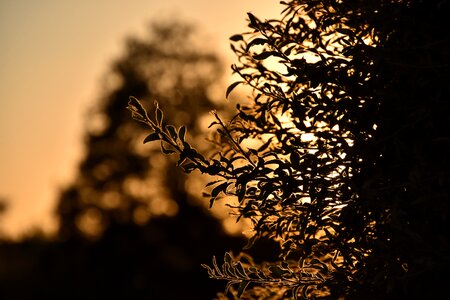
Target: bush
340,154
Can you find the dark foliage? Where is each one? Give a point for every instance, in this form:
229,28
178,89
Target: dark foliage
341,152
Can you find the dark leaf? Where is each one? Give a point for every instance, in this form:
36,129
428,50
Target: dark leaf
182,133
345,31
135,105
172,131
253,20
242,286
210,270
218,189
227,258
188,168
277,272
138,111
240,269
230,89
151,137
266,54
213,123
212,182
257,41
236,38
159,116
265,145
213,170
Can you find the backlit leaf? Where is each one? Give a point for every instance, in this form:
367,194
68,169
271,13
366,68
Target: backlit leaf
236,37
172,131
266,54
151,137
242,286
182,133
231,88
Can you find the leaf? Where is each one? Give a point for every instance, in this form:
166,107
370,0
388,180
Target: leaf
159,116
236,38
265,145
213,123
182,133
220,188
277,272
313,50
295,159
213,169
211,272
242,287
320,276
137,110
243,169
228,258
229,270
241,194
172,131
344,31
266,54
151,137
231,88
240,269
212,182
188,168
229,284
216,267
288,50
257,41
135,105
253,20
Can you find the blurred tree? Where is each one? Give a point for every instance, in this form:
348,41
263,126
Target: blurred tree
119,181
340,154
129,227
3,207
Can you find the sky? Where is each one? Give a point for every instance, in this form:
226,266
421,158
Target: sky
53,55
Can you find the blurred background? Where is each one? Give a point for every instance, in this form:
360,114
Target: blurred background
85,208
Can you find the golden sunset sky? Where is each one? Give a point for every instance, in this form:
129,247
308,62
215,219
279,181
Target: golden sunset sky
53,54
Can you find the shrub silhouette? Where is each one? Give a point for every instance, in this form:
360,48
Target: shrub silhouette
340,153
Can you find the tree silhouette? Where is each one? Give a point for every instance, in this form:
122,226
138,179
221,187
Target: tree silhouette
117,182
340,154
129,227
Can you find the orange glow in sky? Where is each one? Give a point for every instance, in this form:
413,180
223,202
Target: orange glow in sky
52,56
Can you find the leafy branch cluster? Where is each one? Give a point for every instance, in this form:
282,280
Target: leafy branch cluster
283,278
308,154
303,125
172,139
